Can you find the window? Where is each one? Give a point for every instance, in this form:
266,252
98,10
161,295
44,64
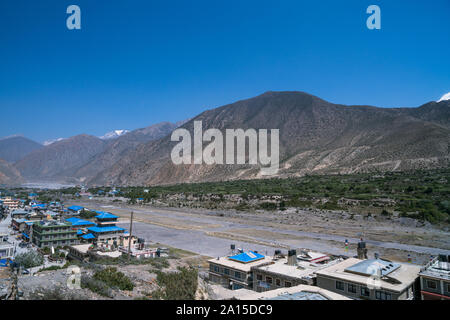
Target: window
287,284
351,288
226,271
269,280
381,295
216,269
259,277
365,292
431,284
237,274
448,287
339,285
278,282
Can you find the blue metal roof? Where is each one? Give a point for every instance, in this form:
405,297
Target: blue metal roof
105,229
371,266
79,222
88,236
79,232
75,208
105,215
247,257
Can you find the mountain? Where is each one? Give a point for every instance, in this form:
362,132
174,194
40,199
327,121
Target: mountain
445,97
14,148
58,160
49,142
114,134
8,174
316,137
119,147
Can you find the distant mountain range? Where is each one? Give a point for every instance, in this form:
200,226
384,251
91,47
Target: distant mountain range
316,137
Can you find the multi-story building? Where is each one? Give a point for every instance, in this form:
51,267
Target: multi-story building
371,279
6,248
10,203
234,272
435,279
285,272
53,234
106,232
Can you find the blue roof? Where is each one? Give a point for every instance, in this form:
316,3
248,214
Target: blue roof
40,205
247,257
79,232
79,222
75,208
105,229
25,235
105,215
32,195
88,236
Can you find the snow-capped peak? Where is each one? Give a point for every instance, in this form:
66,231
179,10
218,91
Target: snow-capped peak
445,97
49,142
114,134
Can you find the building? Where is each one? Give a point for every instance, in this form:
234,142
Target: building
234,272
10,203
80,223
372,279
19,214
75,210
300,292
106,232
435,279
6,248
53,234
285,272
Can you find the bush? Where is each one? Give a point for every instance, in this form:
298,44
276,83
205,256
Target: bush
96,286
29,259
181,285
114,279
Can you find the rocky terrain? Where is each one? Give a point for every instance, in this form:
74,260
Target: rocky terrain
316,137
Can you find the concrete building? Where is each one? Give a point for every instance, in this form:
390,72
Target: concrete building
435,279
53,234
106,232
19,214
285,272
10,203
372,279
300,292
234,272
75,210
6,248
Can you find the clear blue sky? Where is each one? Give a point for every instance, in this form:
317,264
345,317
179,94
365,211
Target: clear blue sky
135,63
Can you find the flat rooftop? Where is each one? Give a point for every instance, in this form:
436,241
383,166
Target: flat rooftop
437,270
233,264
301,270
405,273
300,292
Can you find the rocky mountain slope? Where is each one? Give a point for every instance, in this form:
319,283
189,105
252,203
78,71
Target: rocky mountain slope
8,174
59,159
315,137
15,148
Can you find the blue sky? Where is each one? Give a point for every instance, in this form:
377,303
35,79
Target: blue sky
135,63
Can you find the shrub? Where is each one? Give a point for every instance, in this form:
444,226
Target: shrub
29,259
181,285
114,278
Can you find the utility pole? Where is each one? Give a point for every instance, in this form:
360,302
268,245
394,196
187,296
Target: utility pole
131,234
